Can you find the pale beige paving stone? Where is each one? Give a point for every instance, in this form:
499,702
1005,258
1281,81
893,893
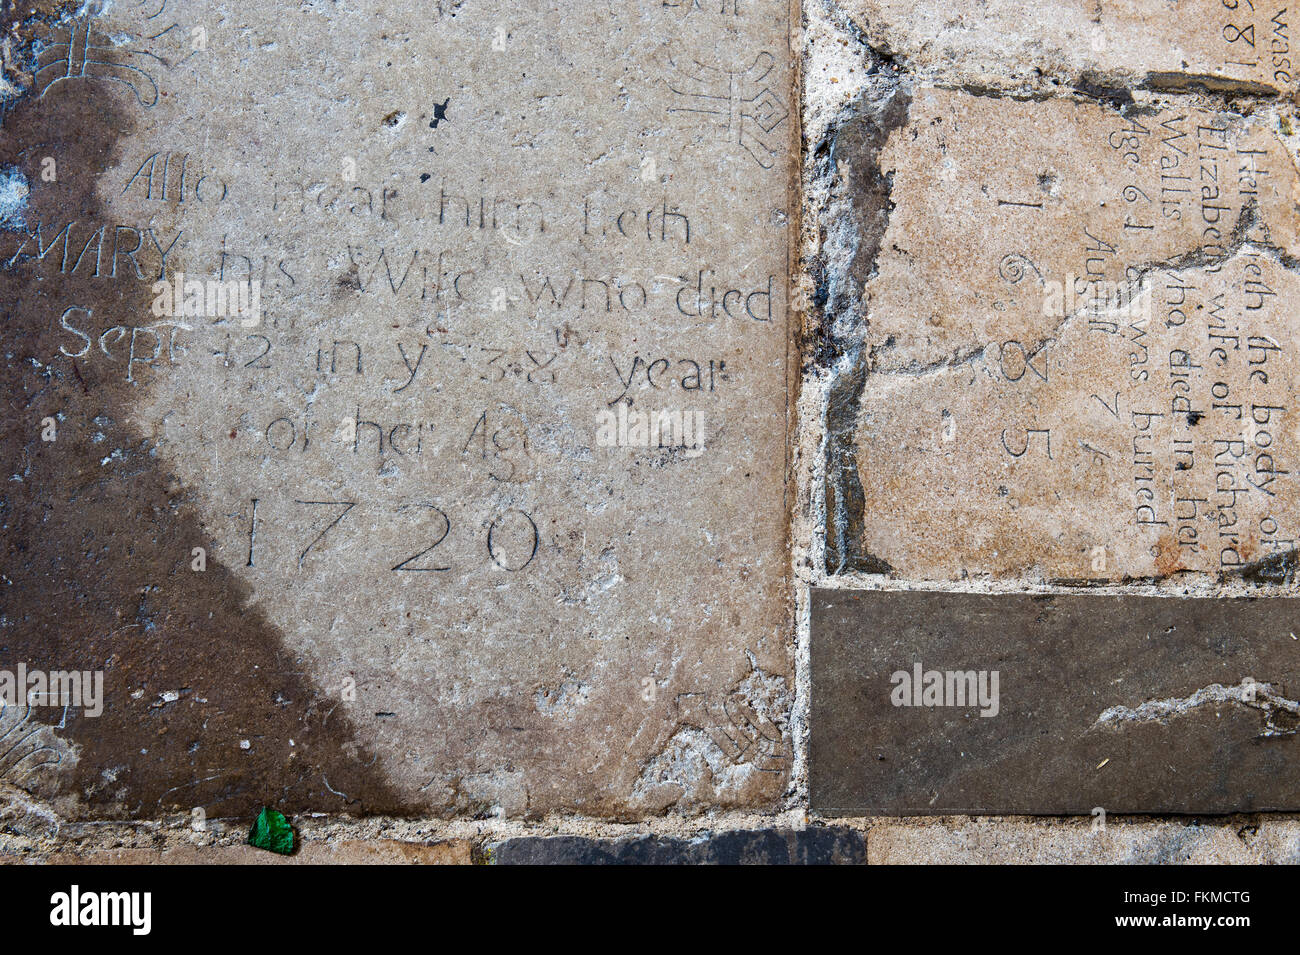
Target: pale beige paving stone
1080,345
429,587
1002,841
992,199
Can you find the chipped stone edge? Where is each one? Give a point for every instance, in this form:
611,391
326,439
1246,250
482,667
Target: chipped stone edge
1258,838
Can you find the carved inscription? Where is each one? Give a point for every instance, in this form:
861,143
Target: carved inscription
378,350
1105,388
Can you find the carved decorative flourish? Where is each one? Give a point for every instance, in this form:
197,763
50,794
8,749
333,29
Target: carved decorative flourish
739,105
1014,267
27,747
85,49
85,54
743,735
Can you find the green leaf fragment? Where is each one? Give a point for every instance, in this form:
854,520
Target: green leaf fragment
271,831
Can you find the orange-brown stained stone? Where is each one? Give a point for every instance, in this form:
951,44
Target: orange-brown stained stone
1081,361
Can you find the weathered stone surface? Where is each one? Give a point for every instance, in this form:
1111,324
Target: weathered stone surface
1079,361
1079,703
427,586
962,841
376,551
813,846
346,852
1214,44
994,198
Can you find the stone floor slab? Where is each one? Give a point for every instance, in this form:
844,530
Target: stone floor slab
928,702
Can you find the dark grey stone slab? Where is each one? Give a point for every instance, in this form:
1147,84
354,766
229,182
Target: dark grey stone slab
813,846
1131,704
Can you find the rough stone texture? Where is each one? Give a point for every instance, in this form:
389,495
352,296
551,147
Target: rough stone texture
1034,192
1206,43
1084,374
955,155
429,587
469,222
812,846
1012,703
965,841
342,852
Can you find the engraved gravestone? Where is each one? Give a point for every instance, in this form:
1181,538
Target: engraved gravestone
1062,328
419,383
1087,373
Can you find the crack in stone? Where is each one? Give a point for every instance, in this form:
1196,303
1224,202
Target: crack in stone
1204,82
918,369
1239,242
859,181
1264,697
1112,86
